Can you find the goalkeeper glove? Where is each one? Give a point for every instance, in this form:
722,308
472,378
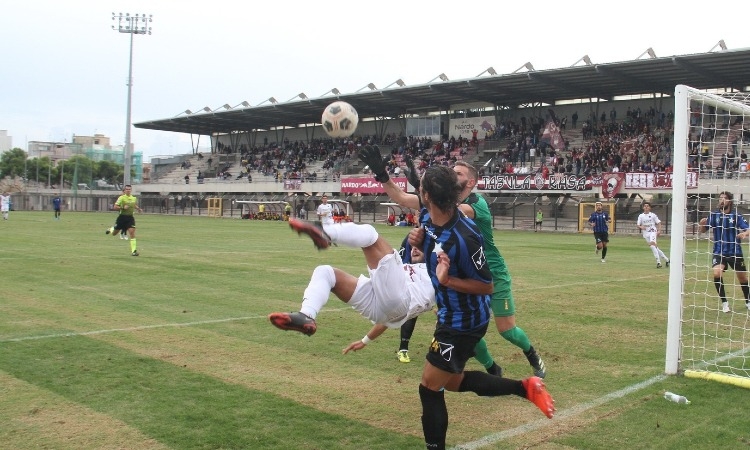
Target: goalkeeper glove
370,155
411,173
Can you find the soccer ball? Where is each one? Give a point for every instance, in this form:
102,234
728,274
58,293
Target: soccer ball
339,119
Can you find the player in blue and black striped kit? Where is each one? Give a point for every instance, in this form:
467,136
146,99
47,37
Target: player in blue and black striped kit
729,228
599,221
454,255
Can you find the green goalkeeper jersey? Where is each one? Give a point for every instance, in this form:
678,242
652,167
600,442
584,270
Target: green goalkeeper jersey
483,219
128,200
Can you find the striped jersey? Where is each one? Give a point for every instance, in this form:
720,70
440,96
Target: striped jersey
600,221
725,228
461,240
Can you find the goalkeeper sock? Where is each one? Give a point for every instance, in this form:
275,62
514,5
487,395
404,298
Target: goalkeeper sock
133,246
517,337
352,234
482,354
316,294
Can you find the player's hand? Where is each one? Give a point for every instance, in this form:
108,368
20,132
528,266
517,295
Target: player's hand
354,346
441,271
416,237
370,155
411,173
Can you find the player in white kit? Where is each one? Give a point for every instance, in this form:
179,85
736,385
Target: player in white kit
650,226
394,292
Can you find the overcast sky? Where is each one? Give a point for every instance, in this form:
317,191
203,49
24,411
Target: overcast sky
65,69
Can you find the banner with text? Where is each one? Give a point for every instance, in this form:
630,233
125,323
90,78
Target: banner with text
512,182
467,126
368,185
658,180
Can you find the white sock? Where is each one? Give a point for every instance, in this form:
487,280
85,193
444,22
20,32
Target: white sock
661,253
316,294
352,234
655,251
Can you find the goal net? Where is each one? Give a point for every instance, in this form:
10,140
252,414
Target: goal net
711,142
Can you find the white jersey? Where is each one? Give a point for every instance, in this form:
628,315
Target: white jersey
325,213
649,222
4,203
394,293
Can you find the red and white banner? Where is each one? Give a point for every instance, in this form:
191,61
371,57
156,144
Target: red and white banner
656,180
368,185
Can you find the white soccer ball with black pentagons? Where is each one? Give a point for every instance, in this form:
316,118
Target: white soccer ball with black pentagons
339,119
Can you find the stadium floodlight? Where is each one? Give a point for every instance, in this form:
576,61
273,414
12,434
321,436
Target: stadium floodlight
649,51
490,70
225,106
442,76
371,86
333,91
719,44
399,82
301,95
270,100
586,60
528,66
245,104
132,25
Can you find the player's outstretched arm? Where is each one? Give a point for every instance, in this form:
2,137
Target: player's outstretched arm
370,155
374,332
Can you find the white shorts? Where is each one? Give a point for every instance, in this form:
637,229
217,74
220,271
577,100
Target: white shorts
649,236
394,293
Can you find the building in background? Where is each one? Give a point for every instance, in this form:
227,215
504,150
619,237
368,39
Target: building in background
6,142
95,148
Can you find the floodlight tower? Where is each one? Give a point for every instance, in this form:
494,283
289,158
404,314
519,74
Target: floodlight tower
130,24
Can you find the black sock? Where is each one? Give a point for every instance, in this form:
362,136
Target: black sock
407,328
745,290
486,385
604,252
434,418
719,284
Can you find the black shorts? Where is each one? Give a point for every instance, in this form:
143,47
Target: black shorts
602,236
124,222
450,349
735,262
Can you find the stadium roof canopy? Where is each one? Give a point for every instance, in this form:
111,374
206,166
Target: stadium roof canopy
655,75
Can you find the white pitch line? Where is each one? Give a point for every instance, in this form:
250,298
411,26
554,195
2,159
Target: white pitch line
140,328
570,412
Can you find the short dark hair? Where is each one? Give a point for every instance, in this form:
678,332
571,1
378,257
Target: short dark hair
726,194
646,203
472,170
441,183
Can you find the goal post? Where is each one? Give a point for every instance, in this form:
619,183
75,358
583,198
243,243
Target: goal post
710,137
